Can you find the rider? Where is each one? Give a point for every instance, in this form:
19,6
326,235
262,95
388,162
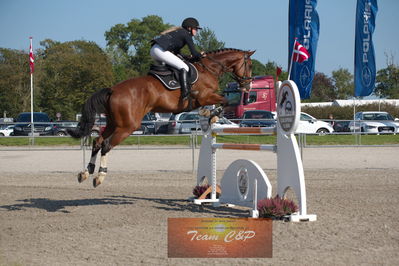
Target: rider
166,46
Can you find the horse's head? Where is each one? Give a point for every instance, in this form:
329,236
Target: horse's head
242,70
235,61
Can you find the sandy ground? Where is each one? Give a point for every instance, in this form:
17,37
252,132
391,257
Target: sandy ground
47,218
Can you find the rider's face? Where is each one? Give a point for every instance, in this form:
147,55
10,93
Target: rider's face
194,31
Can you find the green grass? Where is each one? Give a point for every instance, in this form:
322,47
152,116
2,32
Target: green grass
186,140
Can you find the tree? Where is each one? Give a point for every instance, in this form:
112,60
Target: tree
121,65
133,39
206,40
322,89
271,68
388,80
71,72
343,83
14,82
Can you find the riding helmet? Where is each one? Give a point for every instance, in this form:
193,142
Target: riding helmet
190,22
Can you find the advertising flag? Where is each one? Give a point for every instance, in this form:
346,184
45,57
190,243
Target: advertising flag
365,71
31,57
303,25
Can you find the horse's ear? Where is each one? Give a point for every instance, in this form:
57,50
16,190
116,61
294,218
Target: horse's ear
251,52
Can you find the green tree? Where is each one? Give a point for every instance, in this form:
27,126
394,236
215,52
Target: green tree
121,64
14,82
271,69
206,40
387,84
322,89
343,83
133,39
71,72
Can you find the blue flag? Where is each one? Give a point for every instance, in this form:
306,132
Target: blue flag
365,71
303,24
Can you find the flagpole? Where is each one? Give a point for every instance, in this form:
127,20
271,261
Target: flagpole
31,93
292,58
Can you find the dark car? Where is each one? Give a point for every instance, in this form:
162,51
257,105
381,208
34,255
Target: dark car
42,124
148,125
258,118
341,126
61,127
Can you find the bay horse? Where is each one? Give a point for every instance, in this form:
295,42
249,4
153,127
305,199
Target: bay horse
126,103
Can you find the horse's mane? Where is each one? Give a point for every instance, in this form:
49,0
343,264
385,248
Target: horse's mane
224,50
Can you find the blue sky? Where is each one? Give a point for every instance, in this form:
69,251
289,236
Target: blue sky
260,25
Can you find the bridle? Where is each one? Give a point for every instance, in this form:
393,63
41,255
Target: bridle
243,81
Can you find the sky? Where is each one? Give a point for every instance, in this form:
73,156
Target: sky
260,25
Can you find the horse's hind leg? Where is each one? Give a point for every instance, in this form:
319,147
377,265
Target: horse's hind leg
117,137
82,176
102,171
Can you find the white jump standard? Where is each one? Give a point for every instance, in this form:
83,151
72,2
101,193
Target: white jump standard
244,182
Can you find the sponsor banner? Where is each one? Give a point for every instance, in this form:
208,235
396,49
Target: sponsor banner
365,71
219,238
303,25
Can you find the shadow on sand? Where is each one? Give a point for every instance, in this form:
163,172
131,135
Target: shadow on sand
172,205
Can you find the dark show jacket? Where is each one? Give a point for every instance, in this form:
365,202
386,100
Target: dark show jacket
175,40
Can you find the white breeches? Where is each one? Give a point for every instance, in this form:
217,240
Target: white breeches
169,58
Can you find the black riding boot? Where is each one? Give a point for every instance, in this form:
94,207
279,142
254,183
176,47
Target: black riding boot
185,86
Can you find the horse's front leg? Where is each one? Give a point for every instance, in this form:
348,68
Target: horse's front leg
215,113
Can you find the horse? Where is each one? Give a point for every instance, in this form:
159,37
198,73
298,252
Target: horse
126,103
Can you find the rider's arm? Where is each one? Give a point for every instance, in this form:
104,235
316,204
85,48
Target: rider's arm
191,47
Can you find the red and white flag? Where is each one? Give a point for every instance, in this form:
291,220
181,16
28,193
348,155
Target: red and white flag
300,53
31,57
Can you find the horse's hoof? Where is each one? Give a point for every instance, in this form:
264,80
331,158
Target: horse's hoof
204,112
98,179
214,119
82,176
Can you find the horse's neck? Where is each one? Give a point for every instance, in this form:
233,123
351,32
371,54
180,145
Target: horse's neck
220,63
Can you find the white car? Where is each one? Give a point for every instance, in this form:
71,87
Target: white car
223,122
310,125
374,122
6,130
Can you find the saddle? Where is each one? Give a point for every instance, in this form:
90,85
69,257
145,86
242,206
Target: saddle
169,76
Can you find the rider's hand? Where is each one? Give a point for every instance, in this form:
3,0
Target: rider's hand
203,54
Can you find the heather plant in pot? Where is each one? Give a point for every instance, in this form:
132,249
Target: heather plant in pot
276,208
200,189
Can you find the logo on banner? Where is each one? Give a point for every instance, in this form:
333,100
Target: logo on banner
304,76
366,76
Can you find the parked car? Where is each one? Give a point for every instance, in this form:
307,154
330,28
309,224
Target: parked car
223,122
258,118
61,127
184,123
308,124
187,122
374,122
6,130
149,125
42,124
341,125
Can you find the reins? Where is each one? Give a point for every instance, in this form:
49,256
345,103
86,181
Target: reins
241,80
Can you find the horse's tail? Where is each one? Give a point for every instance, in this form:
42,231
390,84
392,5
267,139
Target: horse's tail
96,104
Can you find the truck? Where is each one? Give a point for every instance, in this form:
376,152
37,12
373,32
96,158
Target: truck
261,96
